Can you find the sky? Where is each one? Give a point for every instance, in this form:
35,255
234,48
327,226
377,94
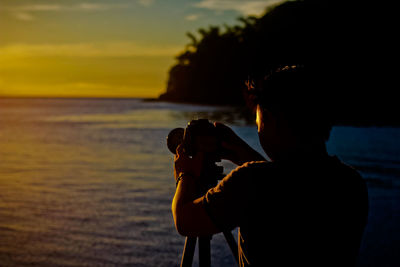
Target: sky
102,48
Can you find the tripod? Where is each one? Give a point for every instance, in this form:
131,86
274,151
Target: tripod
205,249
211,173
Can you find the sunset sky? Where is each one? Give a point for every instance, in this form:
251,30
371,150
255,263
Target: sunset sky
102,48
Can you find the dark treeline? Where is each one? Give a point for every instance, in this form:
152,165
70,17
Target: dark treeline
344,40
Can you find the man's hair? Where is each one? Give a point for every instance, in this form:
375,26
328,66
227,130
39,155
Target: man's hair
301,94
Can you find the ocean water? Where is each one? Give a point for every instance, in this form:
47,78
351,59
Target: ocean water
88,182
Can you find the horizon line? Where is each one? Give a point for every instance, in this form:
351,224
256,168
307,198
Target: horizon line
74,97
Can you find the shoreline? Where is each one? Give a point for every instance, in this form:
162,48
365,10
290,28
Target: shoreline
355,122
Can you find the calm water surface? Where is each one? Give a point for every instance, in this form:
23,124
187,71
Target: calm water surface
89,182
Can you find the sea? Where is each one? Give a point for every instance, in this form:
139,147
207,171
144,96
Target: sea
89,182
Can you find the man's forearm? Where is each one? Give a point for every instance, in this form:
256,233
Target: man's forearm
189,214
185,193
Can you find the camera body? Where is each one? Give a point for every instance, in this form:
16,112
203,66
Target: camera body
199,136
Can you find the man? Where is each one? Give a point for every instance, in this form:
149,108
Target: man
303,207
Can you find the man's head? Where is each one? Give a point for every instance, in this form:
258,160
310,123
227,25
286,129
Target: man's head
292,108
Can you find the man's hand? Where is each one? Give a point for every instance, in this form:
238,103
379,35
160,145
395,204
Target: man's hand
185,164
236,149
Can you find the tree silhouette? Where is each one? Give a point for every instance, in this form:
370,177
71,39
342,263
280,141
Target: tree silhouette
319,33
214,67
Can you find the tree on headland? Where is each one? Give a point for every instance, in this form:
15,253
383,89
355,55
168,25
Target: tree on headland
204,67
320,33
213,68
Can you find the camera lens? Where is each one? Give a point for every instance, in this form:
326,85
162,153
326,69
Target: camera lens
174,139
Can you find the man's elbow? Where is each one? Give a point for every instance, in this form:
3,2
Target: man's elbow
180,225
180,228
191,220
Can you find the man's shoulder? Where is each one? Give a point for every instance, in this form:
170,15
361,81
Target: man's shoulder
348,175
252,171
345,169
255,166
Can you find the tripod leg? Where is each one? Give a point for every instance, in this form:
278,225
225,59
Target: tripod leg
232,244
188,252
204,252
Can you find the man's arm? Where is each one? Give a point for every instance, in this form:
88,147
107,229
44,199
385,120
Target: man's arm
234,148
189,214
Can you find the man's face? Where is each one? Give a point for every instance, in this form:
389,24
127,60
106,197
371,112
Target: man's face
259,119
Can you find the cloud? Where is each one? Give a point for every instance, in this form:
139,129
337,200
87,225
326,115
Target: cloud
93,7
245,7
39,7
24,16
192,17
109,49
146,2
28,12
76,7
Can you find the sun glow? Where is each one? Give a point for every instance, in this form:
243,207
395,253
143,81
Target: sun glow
81,70
121,48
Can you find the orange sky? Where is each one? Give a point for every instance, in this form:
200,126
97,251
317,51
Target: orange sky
100,48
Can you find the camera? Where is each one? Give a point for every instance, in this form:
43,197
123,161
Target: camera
199,136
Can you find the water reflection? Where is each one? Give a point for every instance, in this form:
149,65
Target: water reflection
231,115
89,182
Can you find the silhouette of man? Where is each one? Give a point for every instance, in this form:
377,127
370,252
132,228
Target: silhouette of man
303,207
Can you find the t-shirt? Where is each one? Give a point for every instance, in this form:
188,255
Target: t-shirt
292,213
